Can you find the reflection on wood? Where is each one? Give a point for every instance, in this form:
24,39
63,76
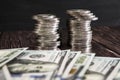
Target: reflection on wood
109,37
101,50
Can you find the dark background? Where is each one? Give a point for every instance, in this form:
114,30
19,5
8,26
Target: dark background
17,14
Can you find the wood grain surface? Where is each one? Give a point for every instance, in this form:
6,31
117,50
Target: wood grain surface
105,42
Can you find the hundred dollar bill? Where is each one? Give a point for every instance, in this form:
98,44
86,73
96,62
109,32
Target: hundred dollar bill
39,55
25,67
19,69
7,55
93,76
43,56
60,57
33,76
113,72
74,55
117,76
103,64
62,64
4,74
47,61
82,65
106,66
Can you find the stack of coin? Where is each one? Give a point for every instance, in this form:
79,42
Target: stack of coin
80,29
46,28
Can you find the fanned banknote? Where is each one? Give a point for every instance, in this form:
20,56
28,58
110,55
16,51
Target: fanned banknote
107,67
7,55
57,65
36,64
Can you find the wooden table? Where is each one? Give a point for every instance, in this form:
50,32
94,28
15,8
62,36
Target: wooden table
105,42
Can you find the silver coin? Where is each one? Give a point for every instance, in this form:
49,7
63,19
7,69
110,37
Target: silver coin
80,29
46,28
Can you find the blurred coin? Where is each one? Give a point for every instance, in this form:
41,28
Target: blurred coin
80,29
46,28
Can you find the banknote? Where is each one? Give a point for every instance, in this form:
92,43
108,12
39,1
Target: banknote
42,68
82,65
113,72
93,76
57,65
5,74
27,76
107,66
62,64
33,76
39,55
23,67
2,76
73,56
7,55
31,70
117,76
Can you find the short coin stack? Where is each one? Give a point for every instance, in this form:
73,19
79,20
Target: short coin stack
46,29
81,34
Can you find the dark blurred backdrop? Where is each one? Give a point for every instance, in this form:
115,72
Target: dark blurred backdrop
17,14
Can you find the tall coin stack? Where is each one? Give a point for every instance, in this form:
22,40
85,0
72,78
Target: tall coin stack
80,29
46,28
